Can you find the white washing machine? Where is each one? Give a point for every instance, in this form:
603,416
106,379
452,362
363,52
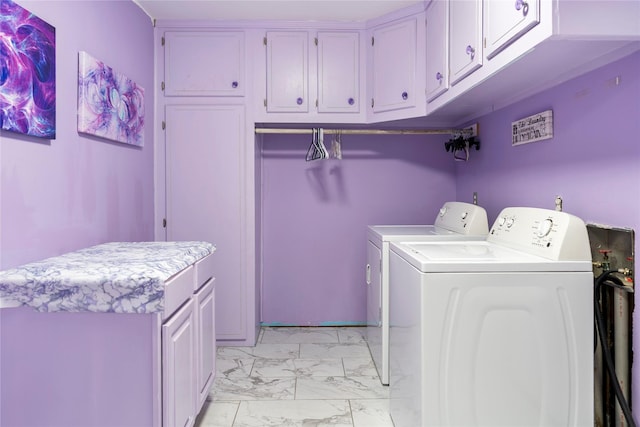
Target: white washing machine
496,332
454,221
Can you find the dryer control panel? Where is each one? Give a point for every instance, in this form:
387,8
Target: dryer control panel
551,234
463,218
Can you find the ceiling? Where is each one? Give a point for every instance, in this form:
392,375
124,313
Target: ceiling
291,10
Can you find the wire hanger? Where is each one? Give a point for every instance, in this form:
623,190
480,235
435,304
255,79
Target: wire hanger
336,145
317,149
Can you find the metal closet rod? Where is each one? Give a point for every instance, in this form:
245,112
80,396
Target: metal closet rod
466,131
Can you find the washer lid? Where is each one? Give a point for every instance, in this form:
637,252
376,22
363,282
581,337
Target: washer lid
407,233
472,256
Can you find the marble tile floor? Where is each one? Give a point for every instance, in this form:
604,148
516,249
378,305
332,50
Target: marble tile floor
307,377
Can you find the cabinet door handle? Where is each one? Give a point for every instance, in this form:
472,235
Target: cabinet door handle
368,275
471,52
522,4
299,101
351,101
405,95
439,76
234,84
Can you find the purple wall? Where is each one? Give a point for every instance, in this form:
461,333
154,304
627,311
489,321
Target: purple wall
593,161
315,216
76,191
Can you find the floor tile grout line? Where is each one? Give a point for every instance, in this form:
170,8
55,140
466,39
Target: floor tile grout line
235,415
353,422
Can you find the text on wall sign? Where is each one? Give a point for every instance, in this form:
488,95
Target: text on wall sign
533,128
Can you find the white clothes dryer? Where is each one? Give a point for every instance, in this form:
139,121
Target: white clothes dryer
496,332
454,221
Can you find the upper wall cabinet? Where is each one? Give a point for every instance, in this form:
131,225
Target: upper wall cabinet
394,68
287,71
529,46
312,76
465,38
437,16
505,21
204,63
397,62
338,71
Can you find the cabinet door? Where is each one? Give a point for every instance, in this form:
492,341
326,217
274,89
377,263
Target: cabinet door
437,54
205,171
204,63
206,348
394,66
287,72
465,38
338,72
505,21
178,369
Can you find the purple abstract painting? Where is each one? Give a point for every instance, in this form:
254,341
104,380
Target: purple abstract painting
110,105
27,72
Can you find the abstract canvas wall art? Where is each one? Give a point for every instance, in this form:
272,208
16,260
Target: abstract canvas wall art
110,105
27,72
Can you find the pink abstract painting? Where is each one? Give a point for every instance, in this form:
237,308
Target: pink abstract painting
110,105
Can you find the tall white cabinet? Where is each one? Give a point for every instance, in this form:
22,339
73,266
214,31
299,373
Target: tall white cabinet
205,172
205,196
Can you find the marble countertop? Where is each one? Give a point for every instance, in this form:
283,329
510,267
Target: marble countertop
117,277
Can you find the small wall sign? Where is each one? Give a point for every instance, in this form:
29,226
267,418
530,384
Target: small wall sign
533,128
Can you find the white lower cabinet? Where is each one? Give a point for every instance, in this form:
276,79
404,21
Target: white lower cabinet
205,339
178,368
188,351
97,369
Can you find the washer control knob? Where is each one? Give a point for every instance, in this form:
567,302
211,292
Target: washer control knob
443,211
501,221
544,227
510,222
464,215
